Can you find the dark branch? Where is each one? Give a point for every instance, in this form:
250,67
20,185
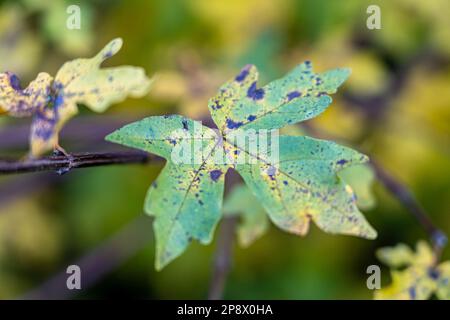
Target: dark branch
62,164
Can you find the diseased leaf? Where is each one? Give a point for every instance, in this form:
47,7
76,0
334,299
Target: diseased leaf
303,186
254,223
300,95
51,102
421,278
294,177
186,199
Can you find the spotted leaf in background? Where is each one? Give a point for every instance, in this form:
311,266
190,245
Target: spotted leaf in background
420,279
53,101
299,186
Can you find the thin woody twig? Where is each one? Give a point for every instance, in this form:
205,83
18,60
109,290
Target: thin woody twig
64,163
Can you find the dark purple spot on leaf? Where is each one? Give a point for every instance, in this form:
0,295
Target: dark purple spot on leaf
57,86
62,171
271,171
251,117
43,125
215,175
107,55
341,162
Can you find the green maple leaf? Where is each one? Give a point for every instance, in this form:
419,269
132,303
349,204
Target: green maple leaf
53,101
420,277
295,188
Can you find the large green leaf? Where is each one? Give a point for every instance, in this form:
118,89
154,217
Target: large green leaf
294,178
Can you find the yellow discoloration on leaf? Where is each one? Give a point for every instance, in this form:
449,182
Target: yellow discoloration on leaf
293,178
52,102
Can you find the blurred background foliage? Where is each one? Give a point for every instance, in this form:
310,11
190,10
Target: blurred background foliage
395,106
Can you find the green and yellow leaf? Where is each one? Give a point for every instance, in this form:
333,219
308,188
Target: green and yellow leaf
299,186
253,219
420,280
